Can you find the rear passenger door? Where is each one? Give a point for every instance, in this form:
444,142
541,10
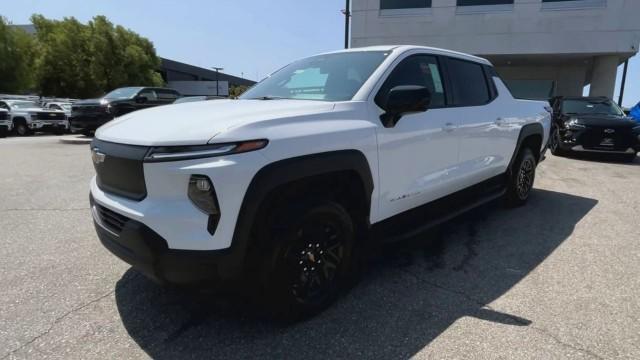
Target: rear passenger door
418,156
486,133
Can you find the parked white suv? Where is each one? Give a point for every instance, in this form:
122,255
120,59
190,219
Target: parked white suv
283,189
5,123
27,116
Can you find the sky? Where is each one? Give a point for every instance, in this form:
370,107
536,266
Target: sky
249,38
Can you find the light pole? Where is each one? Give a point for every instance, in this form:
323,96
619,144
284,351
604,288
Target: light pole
347,14
217,69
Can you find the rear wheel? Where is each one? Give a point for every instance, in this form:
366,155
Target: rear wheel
521,179
87,132
310,259
629,157
3,132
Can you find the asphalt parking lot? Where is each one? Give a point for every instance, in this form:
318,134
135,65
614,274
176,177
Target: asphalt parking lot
555,279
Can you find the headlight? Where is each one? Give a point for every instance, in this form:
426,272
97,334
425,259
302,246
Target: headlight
573,123
203,196
175,153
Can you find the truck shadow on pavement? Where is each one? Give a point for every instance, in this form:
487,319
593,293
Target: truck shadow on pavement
408,297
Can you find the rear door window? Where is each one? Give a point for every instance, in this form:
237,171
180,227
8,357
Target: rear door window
468,83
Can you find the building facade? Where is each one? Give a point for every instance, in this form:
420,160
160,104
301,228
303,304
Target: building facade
541,48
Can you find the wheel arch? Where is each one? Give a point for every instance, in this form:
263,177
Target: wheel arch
531,136
280,174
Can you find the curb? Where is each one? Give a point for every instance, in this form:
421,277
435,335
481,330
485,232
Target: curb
76,140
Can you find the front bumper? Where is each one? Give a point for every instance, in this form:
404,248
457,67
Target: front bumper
141,247
574,140
48,125
88,123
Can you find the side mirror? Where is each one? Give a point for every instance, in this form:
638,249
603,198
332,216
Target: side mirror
404,99
141,99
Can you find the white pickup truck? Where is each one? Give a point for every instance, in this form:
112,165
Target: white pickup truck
285,188
27,116
5,123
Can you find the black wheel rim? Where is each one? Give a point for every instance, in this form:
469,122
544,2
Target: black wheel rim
314,260
525,178
554,140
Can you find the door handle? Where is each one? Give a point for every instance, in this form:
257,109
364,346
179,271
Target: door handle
449,127
500,121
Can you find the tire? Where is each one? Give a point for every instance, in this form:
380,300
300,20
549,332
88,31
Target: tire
309,261
629,158
3,133
58,132
554,143
87,133
521,179
21,128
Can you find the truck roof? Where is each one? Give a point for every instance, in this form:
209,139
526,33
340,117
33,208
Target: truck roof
403,48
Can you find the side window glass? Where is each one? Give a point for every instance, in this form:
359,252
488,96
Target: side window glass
469,85
150,94
166,95
421,70
4,106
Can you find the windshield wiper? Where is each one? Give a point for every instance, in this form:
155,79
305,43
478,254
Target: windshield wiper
268,97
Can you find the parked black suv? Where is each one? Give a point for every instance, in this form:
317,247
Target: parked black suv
88,115
592,124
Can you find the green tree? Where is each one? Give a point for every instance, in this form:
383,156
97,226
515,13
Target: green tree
64,58
78,60
17,54
235,91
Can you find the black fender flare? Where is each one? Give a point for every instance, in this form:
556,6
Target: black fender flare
525,132
288,170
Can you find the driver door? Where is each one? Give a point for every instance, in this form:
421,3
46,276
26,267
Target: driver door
418,157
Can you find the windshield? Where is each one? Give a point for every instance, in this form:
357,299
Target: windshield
331,77
606,107
123,93
24,105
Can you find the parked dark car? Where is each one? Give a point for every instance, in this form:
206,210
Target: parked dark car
593,125
88,115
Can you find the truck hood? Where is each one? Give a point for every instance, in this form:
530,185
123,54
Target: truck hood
196,123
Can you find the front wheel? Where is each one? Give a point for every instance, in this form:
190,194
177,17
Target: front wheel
554,143
628,157
521,179
22,129
311,258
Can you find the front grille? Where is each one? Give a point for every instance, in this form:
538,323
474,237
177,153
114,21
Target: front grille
50,116
597,138
4,115
88,109
111,219
119,169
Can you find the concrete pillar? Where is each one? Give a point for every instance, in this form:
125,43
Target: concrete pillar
603,81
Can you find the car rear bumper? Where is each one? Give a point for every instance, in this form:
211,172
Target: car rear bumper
144,249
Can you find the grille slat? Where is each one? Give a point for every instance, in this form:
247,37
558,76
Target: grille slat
50,116
112,219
